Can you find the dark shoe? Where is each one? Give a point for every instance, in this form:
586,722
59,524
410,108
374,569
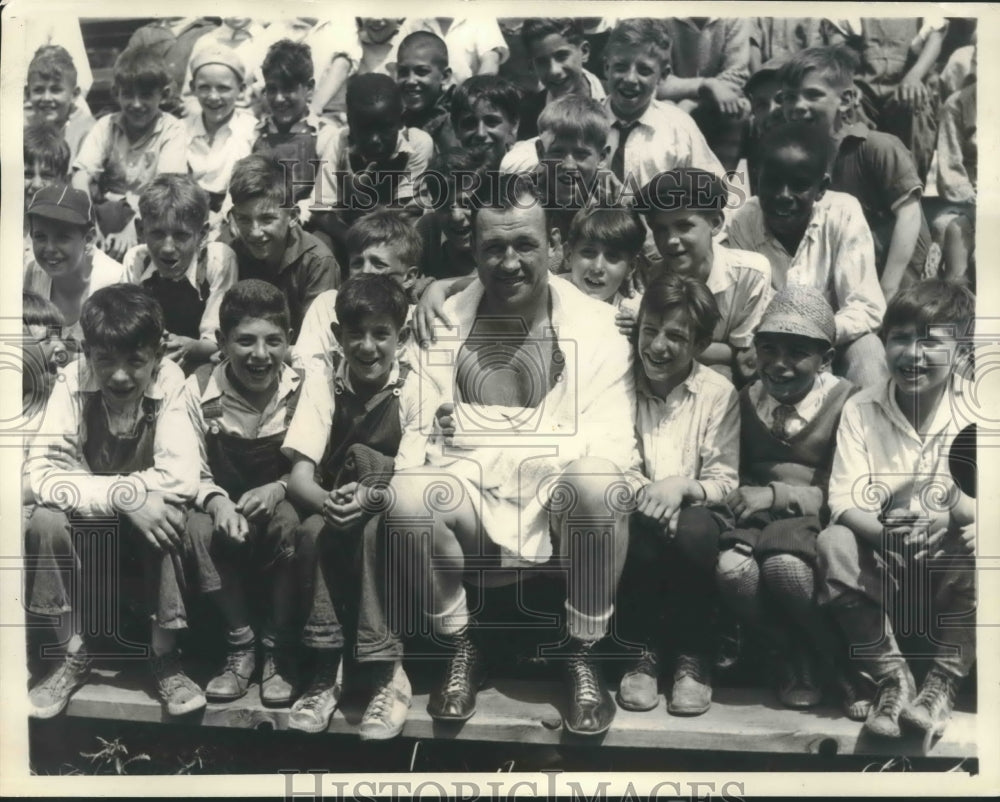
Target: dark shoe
279,678
455,699
692,691
50,696
386,712
175,688
313,710
932,708
729,646
591,708
895,692
855,697
638,688
798,688
233,679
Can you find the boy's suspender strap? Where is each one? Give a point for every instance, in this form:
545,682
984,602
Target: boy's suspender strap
293,400
211,409
201,275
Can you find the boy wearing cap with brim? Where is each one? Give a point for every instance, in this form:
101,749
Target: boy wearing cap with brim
218,133
67,269
789,419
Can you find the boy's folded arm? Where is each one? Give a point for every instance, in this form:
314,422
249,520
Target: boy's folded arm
850,466
716,354
865,525
720,450
302,487
797,499
905,233
860,300
673,87
175,450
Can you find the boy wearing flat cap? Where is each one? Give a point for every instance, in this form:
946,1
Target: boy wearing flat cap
789,419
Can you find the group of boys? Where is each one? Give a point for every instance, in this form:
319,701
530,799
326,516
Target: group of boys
715,409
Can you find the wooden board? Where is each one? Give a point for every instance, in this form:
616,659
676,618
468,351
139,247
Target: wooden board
743,720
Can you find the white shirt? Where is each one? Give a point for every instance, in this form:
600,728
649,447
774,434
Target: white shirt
694,432
880,458
741,284
211,159
105,272
221,272
57,471
836,256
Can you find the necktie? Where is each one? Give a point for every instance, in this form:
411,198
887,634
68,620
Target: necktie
779,421
618,159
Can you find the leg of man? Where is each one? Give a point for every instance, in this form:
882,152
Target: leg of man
592,535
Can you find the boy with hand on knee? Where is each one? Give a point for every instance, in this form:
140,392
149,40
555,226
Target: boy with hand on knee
893,527
244,528
687,421
347,433
789,418
115,442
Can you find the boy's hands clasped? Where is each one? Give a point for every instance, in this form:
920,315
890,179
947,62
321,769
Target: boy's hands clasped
160,520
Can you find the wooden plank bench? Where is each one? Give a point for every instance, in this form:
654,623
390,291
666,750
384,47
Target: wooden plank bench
522,711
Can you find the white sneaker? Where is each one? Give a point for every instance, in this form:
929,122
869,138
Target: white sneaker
386,713
313,710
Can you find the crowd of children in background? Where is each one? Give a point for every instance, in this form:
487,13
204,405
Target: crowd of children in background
233,273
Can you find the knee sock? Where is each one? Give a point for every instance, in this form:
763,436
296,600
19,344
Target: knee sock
240,636
587,628
454,619
738,578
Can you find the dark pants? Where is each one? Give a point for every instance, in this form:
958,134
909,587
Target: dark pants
81,565
668,589
268,543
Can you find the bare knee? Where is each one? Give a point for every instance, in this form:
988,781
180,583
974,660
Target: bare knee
591,485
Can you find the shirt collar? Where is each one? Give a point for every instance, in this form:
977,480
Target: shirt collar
943,418
191,274
856,130
342,378
116,121
692,384
155,390
310,124
295,246
722,275
219,383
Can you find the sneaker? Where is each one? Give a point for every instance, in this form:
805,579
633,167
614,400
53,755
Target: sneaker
895,692
638,688
455,698
932,708
386,712
279,678
692,691
175,688
797,688
591,708
232,680
51,695
313,710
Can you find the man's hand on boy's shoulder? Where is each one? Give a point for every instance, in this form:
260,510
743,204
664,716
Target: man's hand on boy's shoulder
160,520
746,501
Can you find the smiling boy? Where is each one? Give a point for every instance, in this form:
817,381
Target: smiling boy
126,150
270,244
485,114
244,528
53,93
422,74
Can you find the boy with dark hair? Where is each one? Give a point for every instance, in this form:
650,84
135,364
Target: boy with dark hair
687,422
422,74
244,528
67,269
789,419
446,230
875,167
818,238
46,162
287,132
124,151
186,275
374,161
53,93
683,209
602,248
269,242
485,114
115,432
347,430
558,50
900,435
382,242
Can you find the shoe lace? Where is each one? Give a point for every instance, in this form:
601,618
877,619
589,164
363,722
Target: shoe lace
233,660
71,666
936,690
691,666
460,665
587,687
169,674
890,696
383,699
